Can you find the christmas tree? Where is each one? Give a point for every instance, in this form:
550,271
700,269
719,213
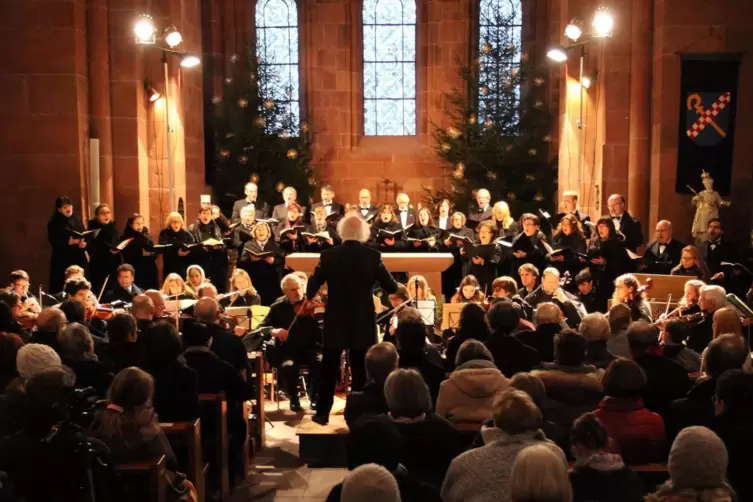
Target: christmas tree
501,129
257,136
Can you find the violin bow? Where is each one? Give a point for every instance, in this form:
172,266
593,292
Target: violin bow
102,291
297,314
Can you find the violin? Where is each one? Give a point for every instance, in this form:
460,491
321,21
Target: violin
308,307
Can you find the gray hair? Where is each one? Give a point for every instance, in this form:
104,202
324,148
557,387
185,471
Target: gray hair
547,312
51,320
472,350
594,327
714,294
290,278
353,228
76,342
407,394
205,310
248,210
550,271
540,473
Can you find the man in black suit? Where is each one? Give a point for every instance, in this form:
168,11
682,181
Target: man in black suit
716,250
406,215
550,291
328,202
664,253
625,224
482,211
252,192
366,209
570,206
280,212
125,289
350,271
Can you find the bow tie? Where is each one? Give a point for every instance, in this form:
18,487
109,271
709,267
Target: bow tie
403,210
481,210
328,205
364,208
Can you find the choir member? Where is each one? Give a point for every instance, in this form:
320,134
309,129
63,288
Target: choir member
289,232
717,249
280,212
68,248
485,269
262,260
124,290
529,278
366,209
444,220
452,275
570,206
568,236
140,251
245,295
211,257
551,291
691,264
406,214
252,193
174,288
387,221
333,209
627,291
195,277
176,258
608,259
320,225
662,254
104,257
586,293
482,211
527,246
244,230
504,224
625,224
424,229
468,291
226,230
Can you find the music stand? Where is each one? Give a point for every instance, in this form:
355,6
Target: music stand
451,315
248,317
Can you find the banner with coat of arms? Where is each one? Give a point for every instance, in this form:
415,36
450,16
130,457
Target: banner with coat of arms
707,121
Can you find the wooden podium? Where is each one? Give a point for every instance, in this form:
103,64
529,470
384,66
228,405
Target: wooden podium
429,265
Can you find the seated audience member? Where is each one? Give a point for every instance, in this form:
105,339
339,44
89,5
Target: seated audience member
665,380
599,474
674,349
586,295
469,392
370,482
373,440
728,352
734,425
411,344
49,323
225,343
176,390
711,299
638,432
540,473
619,322
548,324
77,351
10,344
472,325
129,428
511,356
595,329
158,303
430,442
572,387
381,360
483,473
726,321
33,358
123,350
697,469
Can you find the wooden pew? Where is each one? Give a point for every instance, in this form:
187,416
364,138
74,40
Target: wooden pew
214,406
652,475
144,478
259,426
185,439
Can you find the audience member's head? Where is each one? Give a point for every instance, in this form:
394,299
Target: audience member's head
205,310
407,394
374,441
10,344
122,329
712,298
697,461
588,436
503,317
624,379
569,348
676,332
619,318
160,347
50,320
35,358
129,402
473,322
381,360
514,412
531,385
642,336
472,350
142,308
196,334
46,398
76,343
734,393
594,327
370,482
158,302
73,310
411,334
547,313
726,321
539,474
727,352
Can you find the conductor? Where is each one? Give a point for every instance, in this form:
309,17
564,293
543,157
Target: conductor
350,271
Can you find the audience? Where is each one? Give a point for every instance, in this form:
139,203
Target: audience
381,360
726,321
599,474
225,344
638,432
619,322
674,349
77,351
548,320
472,325
123,332
539,473
10,344
595,329
49,323
142,309
370,482
511,356
411,344
469,392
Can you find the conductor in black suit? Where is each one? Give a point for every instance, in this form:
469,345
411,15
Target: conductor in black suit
280,212
350,271
625,224
252,192
328,203
663,254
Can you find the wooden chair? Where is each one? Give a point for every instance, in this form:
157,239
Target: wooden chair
185,439
144,479
258,424
214,412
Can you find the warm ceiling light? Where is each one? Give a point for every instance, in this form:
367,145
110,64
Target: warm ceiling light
189,61
144,30
173,38
603,22
574,30
558,54
585,82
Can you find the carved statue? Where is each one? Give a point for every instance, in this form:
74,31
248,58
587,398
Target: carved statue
707,202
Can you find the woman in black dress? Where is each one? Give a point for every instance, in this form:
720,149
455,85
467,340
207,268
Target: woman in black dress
422,230
288,236
569,237
453,243
262,259
691,264
484,268
320,225
176,258
140,252
210,256
67,248
387,221
104,258
504,224
608,259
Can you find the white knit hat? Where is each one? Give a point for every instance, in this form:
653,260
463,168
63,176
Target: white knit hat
35,358
372,483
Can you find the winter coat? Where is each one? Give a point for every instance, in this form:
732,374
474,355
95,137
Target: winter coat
467,395
638,432
571,391
604,476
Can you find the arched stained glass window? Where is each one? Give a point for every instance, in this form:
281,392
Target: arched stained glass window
389,67
277,48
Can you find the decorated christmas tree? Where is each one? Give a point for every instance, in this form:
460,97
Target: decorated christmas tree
258,137
501,126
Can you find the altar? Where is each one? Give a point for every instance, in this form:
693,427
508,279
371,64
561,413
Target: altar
429,265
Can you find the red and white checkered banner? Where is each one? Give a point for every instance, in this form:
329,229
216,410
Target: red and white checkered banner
708,115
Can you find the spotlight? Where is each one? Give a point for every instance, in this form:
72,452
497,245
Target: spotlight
173,38
558,54
189,61
151,91
603,22
585,82
144,30
574,30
